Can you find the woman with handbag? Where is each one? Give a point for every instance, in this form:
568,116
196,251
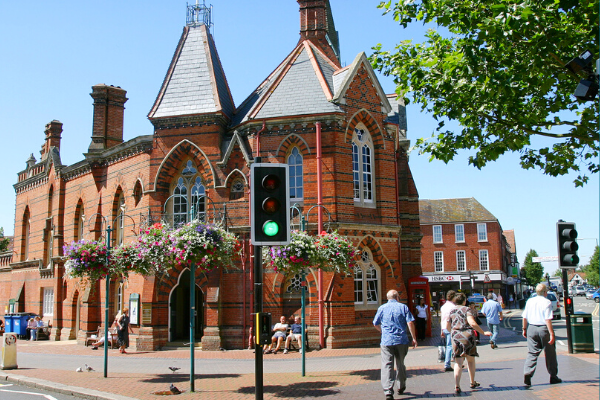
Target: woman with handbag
461,325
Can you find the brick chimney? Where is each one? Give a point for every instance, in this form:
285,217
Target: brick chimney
53,131
109,109
316,25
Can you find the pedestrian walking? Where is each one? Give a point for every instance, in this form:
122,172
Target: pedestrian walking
511,301
461,324
537,328
392,320
493,313
445,310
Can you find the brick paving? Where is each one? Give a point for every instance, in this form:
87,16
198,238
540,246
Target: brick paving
340,374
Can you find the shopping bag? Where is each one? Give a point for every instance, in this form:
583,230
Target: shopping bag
442,351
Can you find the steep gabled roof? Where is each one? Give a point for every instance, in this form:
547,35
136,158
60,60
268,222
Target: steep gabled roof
346,77
195,82
302,84
453,211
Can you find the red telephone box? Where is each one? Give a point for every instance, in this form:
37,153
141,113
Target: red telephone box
418,287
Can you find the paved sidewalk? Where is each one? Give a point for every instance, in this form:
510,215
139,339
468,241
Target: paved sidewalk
340,374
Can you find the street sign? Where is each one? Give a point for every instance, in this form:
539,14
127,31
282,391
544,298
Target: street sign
544,259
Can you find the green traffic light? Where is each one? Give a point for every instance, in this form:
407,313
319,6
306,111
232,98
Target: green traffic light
271,228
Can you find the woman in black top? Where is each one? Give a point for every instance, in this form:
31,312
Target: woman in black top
123,329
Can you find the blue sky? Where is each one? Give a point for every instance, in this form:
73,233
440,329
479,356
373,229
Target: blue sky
54,52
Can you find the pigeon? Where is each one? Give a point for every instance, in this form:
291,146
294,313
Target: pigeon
174,369
88,368
174,389
79,369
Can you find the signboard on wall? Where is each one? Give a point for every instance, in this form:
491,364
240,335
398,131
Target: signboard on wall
134,308
146,314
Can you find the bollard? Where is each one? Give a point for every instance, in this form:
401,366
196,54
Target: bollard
9,351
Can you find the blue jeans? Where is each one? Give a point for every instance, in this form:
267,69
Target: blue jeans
448,349
494,330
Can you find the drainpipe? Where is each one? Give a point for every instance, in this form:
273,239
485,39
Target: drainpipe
264,126
320,227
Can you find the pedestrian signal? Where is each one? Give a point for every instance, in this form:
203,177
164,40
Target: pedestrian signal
263,328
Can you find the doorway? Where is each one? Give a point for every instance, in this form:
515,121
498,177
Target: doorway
179,310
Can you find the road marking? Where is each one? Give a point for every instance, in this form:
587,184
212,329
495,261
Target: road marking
595,312
561,342
47,396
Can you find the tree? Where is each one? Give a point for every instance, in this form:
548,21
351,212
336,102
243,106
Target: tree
4,241
591,270
533,270
499,72
558,273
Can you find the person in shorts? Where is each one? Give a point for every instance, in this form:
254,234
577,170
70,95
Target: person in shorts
278,337
296,333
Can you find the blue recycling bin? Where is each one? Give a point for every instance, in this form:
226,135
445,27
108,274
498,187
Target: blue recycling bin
20,323
8,323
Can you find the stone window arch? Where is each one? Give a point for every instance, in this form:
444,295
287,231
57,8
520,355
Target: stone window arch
236,191
188,193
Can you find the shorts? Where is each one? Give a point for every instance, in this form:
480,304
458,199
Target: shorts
296,336
279,334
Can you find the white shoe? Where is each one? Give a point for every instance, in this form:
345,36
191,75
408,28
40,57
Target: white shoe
285,351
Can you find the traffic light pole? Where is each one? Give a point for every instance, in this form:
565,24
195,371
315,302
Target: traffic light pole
258,308
565,280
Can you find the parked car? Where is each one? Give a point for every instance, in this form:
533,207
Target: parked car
595,296
571,290
555,304
478,300
579,290
589,293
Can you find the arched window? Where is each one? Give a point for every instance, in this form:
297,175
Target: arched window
296,175
188,190
79,223
366,281
362,166
119,218
137,193
26,228
237,189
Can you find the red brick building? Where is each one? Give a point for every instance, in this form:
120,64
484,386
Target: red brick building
203,145
464,248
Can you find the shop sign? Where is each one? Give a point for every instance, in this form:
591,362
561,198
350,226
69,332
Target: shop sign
443,278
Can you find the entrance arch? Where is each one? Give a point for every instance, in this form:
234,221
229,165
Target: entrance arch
179,310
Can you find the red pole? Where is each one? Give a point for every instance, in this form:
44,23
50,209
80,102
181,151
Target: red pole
320,229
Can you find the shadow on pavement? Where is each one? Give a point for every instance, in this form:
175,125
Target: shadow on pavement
171,378
368,374
309,390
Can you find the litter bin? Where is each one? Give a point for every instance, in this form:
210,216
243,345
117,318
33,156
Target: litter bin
582,334
8,323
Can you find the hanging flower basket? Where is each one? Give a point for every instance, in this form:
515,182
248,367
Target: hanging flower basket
328,251
208,246
127,259
154,250
300,253
86,259
336,252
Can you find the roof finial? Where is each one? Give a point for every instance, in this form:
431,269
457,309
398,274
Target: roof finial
199,14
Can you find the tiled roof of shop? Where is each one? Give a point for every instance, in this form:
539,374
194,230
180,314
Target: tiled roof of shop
453,210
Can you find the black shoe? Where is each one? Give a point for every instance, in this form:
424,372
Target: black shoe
527,380
554,380
448,369
389,397
401,390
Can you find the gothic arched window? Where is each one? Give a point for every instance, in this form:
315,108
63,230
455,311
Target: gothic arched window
362,167
294,161
188,194
366,281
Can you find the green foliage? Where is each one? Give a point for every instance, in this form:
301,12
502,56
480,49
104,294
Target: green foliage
591,270
4,241
499,72
533,271
558,273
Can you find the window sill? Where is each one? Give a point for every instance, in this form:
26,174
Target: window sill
364,307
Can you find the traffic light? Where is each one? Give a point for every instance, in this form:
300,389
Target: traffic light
269,204
569,310
567,246
263,328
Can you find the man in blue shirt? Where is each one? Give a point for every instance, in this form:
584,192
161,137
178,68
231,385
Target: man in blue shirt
392,320
493,312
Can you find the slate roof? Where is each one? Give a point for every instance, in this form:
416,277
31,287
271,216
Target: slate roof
302,84
195,82
453,211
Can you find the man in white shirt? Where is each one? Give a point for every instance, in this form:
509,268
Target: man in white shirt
445,310
537,328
